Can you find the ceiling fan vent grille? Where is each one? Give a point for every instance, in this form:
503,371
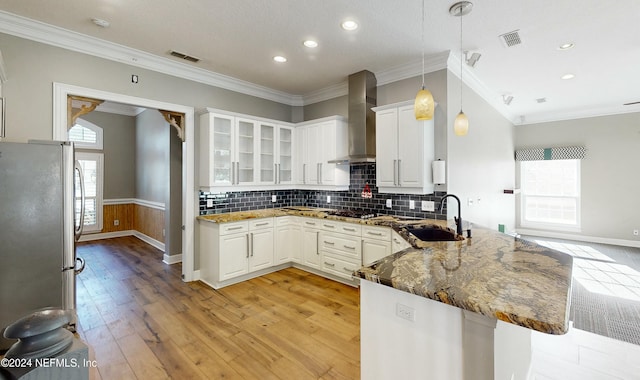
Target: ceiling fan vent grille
511,39
184,56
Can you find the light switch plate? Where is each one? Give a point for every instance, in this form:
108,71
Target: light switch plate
389,203
328,198
428,206
412,204
209,202
274,198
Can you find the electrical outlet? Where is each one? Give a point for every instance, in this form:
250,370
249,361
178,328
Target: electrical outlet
116,222
635,232
406,312
274,198
163,231
328,198
412,205
209,202
469,201
389,203
428,206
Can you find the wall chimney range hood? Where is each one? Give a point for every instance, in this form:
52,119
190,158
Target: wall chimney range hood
362,120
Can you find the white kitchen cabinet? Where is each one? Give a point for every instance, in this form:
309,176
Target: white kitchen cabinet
228,150
288,235
320,141
311,256
261,251
230,250
376,243
276,153
398,243
239,152
404,150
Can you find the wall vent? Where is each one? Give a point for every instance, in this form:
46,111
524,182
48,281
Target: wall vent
184,56
541,100
511,39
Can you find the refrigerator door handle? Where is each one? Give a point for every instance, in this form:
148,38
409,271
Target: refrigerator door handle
76,269
78,230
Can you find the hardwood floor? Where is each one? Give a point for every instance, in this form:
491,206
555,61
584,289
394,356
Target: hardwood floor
143,322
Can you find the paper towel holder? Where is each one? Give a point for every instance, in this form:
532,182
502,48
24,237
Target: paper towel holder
438,171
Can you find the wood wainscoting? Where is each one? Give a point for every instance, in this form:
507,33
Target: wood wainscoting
125,217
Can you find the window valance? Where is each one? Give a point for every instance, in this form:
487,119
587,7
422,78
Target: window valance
561,153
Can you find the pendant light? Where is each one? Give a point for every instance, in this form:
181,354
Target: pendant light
424,105
461,123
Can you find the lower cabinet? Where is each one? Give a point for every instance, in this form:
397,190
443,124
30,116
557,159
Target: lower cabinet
310,242
231,252
376,243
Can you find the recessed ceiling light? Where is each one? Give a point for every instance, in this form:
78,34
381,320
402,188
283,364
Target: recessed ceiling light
310,43
349,25
279,58
568,76
566,46
100,22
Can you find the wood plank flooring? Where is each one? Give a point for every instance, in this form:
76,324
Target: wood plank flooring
143,322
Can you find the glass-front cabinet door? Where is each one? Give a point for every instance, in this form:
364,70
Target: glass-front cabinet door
223,161
246,161
267,154
285,155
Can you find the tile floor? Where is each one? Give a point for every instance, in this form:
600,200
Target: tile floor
604,341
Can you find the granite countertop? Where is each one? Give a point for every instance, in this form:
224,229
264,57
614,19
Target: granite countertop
491,273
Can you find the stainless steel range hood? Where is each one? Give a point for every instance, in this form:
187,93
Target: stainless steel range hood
362,120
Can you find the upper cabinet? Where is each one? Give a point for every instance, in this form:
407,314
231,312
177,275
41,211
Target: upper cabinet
238,151
276,154
404,150
319,141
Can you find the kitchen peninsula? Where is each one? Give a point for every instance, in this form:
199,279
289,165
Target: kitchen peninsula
432,309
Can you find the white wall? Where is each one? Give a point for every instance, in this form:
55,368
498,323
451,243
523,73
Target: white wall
480,165
609,176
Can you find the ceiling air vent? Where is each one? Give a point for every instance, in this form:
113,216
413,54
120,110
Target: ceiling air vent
511,39
541,100
184,56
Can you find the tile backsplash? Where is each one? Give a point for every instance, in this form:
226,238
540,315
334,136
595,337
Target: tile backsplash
361,175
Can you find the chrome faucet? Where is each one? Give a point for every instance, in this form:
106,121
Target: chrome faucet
458,220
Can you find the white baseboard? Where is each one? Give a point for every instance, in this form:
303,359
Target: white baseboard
106,235
196,275
172,259
149,240
584,238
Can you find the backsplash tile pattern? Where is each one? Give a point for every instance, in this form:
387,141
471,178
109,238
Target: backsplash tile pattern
361,174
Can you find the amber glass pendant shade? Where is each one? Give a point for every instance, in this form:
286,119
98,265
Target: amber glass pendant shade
461,124
424,105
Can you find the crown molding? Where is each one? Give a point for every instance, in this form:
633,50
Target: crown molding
51,35
576,114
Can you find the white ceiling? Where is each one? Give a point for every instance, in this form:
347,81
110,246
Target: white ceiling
239,38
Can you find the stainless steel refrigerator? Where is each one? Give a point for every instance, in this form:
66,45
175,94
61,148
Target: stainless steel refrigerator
38,229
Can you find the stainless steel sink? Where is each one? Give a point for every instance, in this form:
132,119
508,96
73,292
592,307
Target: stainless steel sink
427,233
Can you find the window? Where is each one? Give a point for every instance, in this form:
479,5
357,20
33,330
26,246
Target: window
550,194
86,135
88,139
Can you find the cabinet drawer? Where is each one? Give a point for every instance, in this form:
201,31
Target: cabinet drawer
339,267
329,225
234,227
350,229
312,223
261,223
380,233
342,244
284,220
